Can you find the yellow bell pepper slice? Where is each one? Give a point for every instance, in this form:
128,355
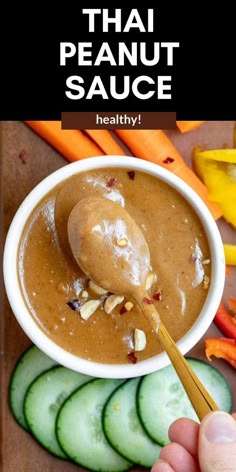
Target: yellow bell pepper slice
230,254
217,169
219,155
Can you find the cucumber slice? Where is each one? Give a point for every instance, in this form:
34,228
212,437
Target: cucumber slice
43,400
161,398
32,363
79,428
123,428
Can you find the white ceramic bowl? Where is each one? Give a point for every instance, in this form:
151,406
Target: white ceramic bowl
33,330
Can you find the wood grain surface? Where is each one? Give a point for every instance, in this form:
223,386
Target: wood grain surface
25,161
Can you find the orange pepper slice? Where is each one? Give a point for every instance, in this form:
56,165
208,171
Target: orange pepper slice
223,348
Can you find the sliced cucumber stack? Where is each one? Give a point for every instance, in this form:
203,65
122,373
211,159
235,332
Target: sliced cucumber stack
32,363
43,400
102,424
123,428
79,428
162,399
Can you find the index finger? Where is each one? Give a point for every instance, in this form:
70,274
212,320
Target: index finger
185,432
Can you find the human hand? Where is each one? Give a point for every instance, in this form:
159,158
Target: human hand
208,447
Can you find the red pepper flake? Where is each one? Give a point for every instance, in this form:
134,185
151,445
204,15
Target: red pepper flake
123,310
168,160
131,174
132,358
23,156
147,301
157,296
112,182
74,304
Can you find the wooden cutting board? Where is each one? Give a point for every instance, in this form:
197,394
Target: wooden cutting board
25,161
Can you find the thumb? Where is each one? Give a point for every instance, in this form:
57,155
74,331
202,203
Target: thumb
217,443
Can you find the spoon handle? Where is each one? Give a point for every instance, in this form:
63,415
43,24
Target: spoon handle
201,400
198,395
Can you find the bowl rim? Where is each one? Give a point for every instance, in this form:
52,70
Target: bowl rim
32,328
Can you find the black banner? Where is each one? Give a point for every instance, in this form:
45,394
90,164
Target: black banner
166,59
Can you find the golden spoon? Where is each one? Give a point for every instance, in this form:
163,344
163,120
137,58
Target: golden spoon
111,249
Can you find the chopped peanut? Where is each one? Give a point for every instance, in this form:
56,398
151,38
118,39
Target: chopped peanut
122,242
84,294
139,340
206,261
111,302
96,289
206,282
151,278
129,306
89,308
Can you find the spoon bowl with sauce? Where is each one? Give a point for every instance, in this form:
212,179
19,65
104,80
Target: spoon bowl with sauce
111,249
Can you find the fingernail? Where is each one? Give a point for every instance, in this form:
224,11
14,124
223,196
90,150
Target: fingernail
220,428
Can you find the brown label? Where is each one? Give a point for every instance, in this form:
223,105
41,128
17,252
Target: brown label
118,120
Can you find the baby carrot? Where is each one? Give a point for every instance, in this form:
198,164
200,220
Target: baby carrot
185,126
105,141
156,147
72,144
